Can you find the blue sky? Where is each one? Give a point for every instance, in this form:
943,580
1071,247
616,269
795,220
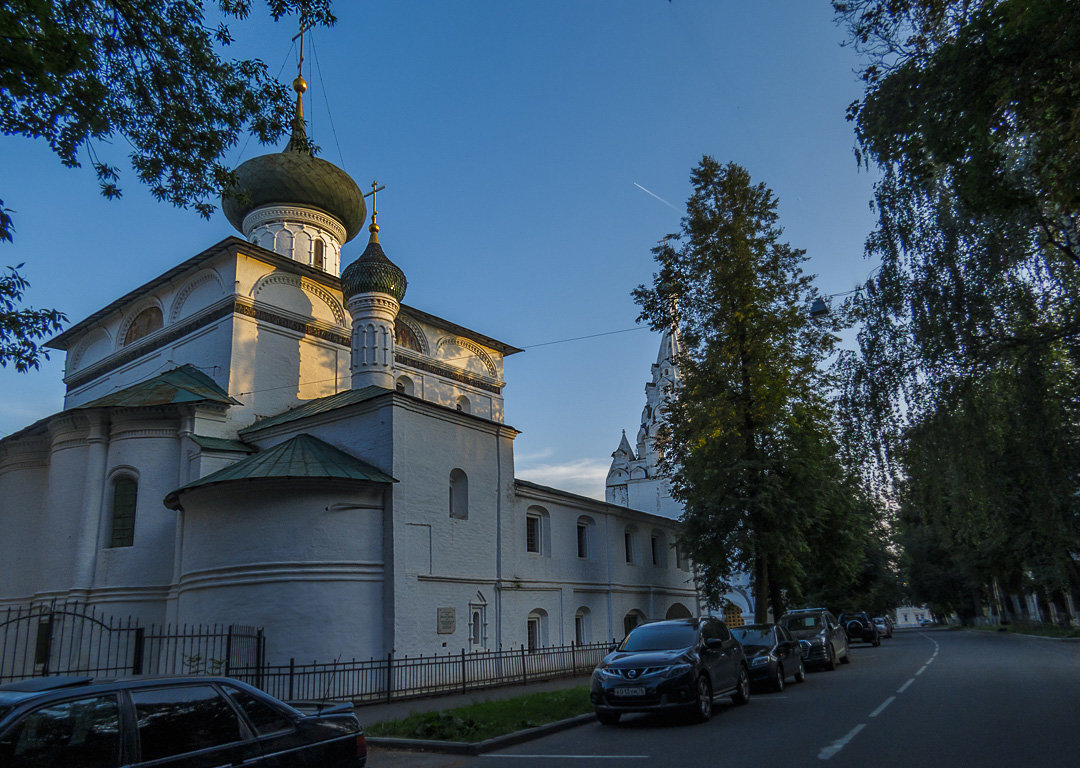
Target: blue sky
511,136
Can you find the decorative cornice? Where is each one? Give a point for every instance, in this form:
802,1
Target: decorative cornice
382,302
232,308
272,213
446,371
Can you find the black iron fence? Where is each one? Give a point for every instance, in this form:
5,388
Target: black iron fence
403,677
73,639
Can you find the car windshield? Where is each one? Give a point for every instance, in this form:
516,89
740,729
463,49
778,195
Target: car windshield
799,623
754,640
660,637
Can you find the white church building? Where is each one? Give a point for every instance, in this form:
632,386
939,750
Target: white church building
257,436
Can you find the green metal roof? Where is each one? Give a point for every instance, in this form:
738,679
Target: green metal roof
373,272
302,457
186,384
315,407
222,444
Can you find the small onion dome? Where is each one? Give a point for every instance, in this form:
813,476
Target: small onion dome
373,273
296,177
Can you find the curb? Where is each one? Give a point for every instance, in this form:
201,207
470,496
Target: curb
479,747
1021,634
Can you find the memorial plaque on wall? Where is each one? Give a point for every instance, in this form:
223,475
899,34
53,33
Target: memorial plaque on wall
447,621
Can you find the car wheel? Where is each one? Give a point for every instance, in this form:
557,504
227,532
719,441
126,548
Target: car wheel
742,689
778,681
830,663
800,673
608,718
703,705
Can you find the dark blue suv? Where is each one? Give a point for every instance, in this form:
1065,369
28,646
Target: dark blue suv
681,664
169,722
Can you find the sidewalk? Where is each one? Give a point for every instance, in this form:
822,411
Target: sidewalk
373,713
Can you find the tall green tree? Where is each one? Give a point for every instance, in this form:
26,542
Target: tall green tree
150,75
737,441
970,339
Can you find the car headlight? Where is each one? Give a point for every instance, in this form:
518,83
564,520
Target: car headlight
604,673
675,670
761,661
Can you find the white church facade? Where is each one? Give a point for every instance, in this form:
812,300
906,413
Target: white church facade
257,436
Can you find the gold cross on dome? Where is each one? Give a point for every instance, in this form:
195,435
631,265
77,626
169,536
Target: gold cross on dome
374,188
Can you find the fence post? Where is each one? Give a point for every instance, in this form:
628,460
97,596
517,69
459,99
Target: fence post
389,676
137,660
292,672
573,656
463,670
260,656
524,671
228,650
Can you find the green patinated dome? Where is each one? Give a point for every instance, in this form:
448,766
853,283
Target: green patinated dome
296,177
373,272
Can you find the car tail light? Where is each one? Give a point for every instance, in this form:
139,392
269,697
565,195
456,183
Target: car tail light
361,745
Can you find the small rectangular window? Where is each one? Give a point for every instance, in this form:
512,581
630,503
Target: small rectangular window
532,533
582,540
534,633
628,541
125,495
579,630
655,551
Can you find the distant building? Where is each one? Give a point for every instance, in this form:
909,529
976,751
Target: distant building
250,438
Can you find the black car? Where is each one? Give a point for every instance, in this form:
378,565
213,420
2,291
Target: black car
167,722
772,653
860,628
821,638
681,664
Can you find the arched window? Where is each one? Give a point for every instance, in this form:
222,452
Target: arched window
404,336
145,323
630,543
478,620
537,531
678,611
586,544
582,625
536,629
632,619
405,385
658,548
463,404
319,258
459,494
125,492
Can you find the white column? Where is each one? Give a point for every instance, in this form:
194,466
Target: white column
93,492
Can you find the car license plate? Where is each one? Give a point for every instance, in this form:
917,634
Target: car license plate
630,691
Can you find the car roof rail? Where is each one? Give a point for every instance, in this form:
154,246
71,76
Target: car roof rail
38,684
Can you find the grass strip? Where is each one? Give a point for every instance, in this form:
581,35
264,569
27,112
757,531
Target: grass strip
1042,630
487,719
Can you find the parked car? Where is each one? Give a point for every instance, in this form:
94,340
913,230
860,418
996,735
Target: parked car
680,664
772,653
167,722
821,638
884,625
860,628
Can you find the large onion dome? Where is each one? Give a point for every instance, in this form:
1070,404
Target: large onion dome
295,176
373,272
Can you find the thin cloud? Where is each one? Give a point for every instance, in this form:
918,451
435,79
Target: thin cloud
585,477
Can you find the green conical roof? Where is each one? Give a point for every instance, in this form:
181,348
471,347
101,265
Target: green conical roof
373,272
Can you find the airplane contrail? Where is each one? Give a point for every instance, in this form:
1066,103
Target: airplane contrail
662,200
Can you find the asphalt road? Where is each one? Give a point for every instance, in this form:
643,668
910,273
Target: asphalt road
924,698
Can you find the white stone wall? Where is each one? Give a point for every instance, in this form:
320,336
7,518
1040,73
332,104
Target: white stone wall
304,559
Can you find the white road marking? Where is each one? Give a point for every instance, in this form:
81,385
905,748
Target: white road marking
571,757
904,687
839,744
880,709
921,670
